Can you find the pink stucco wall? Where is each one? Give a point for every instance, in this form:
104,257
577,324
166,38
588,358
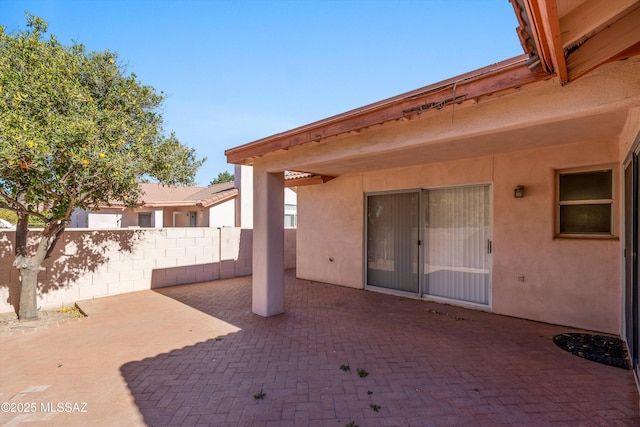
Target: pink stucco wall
574,282
567,281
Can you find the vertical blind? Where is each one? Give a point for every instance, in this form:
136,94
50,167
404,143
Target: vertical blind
455,233
392,241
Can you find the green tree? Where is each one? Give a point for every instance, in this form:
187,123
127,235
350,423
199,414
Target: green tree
75,131
222,177
9,216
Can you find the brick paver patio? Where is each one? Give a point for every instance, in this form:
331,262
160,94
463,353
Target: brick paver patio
195,355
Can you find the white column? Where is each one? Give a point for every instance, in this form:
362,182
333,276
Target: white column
268,242
244,184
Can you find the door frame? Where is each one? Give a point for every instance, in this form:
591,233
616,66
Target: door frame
631,291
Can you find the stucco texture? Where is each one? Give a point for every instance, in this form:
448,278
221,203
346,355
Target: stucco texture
573,282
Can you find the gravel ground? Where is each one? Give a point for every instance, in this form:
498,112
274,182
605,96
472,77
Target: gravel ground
9,323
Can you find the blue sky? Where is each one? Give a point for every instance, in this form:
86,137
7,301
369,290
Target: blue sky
239,70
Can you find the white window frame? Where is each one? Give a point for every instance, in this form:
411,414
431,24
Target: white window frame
611,201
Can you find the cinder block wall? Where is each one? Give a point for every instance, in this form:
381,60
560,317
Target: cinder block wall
95,263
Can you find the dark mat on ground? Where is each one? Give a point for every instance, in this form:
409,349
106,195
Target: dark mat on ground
598,348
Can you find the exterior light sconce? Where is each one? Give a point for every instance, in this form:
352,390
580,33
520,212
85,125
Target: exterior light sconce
518,192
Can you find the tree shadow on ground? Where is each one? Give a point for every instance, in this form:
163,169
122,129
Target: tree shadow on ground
77,253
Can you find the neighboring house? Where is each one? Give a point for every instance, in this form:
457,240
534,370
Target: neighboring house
244,182
228,204
165,206
512,189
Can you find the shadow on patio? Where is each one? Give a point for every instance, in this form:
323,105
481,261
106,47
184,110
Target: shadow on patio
427,364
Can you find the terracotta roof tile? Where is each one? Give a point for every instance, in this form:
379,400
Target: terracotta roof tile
159,195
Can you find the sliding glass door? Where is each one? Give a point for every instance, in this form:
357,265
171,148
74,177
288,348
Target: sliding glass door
392,241
457,243
434,243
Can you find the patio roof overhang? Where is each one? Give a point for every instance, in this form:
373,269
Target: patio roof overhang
502,76
565,41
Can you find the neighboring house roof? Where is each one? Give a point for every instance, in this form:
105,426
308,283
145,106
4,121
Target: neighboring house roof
158,195
215,194
564,42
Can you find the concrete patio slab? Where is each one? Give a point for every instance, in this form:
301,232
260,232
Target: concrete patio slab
196,355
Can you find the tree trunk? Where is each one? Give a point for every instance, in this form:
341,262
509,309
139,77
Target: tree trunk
28,291
30,266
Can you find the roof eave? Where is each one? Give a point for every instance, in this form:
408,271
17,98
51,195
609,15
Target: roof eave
581,40
218,199
504,75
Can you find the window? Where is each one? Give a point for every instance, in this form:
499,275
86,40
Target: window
144,219
290,216
290,220
585,203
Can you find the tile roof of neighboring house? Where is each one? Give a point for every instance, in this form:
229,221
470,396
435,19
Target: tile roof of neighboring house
158,195
214,194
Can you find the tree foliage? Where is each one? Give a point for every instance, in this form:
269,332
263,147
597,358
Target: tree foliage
75,131
222,178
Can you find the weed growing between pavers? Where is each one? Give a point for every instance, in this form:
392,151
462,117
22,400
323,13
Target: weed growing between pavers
260,396
362,374
458,318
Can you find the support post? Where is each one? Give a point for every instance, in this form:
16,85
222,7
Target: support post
268,242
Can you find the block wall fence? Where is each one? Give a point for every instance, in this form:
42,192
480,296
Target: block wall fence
90,263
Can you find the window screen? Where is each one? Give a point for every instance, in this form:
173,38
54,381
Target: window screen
144,219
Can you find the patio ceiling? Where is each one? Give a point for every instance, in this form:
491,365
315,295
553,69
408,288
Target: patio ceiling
323,161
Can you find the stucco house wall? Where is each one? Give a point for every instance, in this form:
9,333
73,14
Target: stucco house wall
180,216
223,214
105,218
219,215
575,282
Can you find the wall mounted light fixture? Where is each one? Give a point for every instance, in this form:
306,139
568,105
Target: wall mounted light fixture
518,192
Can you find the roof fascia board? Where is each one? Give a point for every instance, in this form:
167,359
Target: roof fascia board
161,204
545,27
488,80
